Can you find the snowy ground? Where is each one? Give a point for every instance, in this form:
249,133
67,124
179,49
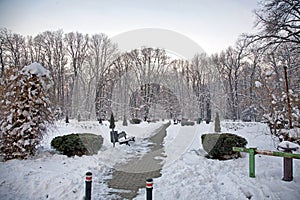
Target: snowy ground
186,174
53,176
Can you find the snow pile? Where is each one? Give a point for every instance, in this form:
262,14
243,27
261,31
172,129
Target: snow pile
258,84
287,144
37,69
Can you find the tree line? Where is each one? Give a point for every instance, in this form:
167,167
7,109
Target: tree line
256,79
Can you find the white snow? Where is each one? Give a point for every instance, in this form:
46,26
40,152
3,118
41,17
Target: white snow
295,133
269,73
287,144
186,173
258,84
37,69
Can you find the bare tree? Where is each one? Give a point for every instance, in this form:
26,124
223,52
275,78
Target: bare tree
2,53
229,65
102,53
200,79
77,47
279,22
148,66
13,46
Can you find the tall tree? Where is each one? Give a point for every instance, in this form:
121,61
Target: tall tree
200,78
102,53
14,46
229,65
279,22
77,47
148,66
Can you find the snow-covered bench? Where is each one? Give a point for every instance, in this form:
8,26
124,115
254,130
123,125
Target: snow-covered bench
127,140
117,137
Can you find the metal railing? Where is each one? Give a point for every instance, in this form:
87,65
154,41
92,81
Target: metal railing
287,159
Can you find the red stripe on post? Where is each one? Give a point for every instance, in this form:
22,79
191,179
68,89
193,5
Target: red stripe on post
88,178
149,184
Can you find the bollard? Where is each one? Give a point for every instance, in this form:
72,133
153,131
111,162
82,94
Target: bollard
252,162
287,167
149,188
88,186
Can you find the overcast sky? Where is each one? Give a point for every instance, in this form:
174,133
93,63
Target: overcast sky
213,24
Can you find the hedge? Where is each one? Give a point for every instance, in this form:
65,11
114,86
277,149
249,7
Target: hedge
219,146
187,123
135,121
77,144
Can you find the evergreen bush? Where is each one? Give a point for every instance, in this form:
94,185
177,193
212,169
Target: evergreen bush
25,110
187,123
219,146
217,123
77,144
135,121
112,122
125,121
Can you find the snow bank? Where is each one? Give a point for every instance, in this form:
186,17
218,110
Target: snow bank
287,144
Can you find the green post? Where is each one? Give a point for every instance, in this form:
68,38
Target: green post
252,162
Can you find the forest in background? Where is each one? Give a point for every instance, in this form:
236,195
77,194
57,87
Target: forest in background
257,79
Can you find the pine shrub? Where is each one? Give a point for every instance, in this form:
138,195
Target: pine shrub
219,146
187,123
135,121
125,121
77,144
25,110
217,123
112,122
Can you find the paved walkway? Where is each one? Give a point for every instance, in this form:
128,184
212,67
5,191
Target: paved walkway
128,178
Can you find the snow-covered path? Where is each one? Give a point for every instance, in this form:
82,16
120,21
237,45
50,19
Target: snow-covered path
129,177
187,174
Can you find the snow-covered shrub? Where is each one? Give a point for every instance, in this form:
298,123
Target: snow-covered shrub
187,123
25,110
219,146
78,144
135,121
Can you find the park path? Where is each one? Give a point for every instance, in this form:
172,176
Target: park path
128,178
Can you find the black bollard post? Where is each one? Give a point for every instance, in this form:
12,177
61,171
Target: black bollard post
287,167
149,188
88,186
